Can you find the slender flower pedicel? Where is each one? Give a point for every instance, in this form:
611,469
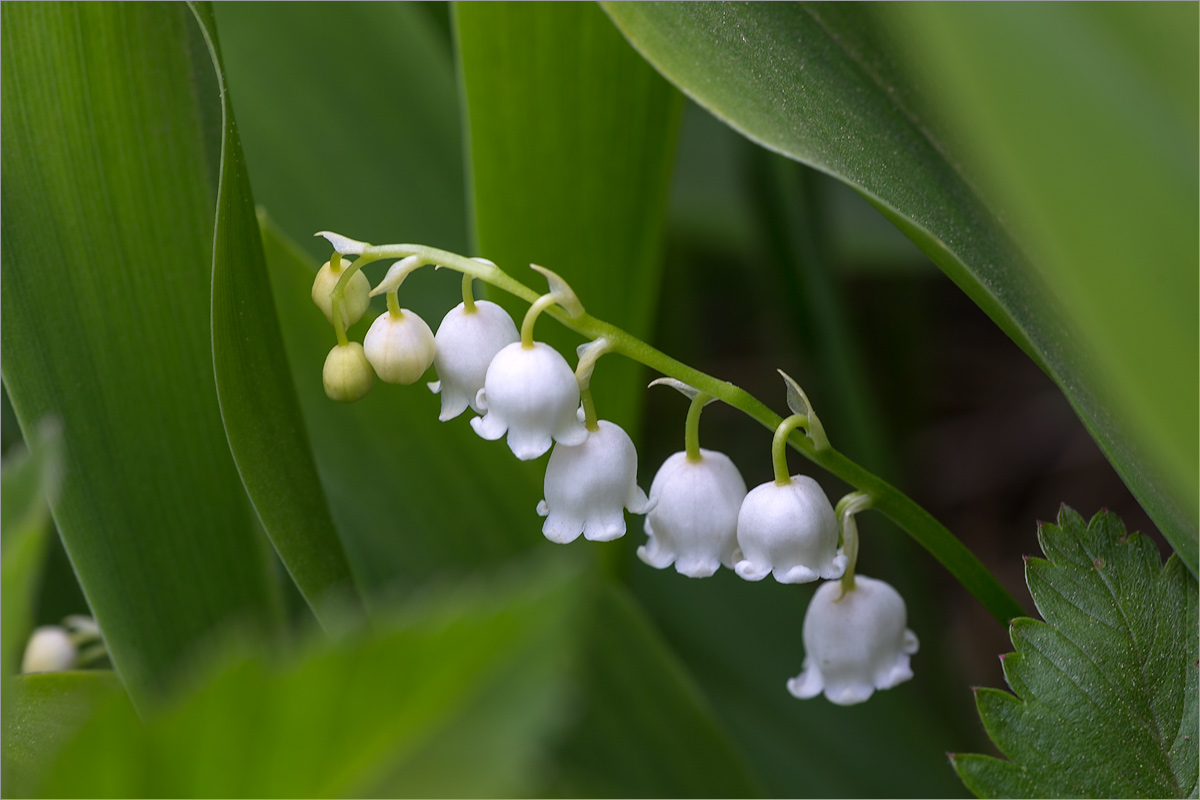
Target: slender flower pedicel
696,495
468,339
588,486
856,641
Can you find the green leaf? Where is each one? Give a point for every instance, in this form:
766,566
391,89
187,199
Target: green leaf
107,218
43,712
254,385
453,696
826,84
1106,687
571,141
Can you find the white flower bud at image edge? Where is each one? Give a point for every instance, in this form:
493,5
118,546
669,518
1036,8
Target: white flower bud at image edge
855,643
531,393
790,531
347,374
50,649
400,347
693,523
588,486
467,341
355,299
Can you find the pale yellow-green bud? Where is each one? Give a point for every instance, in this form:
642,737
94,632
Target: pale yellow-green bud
354,301
347,374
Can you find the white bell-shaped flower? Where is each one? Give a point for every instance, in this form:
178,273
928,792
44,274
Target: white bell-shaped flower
532,394
693,522
588,486
50,649
355,298
347,374
400,346
467,341
854,643
790,531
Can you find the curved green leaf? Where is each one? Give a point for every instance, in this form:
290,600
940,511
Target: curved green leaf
826,84
571,143
107,246
1106,687
254,385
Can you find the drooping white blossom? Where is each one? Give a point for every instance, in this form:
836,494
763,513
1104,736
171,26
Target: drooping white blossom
50,649
693,523
355,296
530,393
347,374
400,347
588,485
855,643
790,531
467,341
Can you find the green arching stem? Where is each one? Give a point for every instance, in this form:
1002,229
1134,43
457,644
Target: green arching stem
339,325
393,301
779,447
847,507
691,428
589,410
894,504
468,295
535,310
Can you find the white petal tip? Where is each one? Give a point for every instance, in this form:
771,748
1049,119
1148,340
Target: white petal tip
559,531
489,427
805,686
697,569
344,244
543,510
435,387
748,570
798,574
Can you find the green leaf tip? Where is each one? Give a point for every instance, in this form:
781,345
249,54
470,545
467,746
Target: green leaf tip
1104,687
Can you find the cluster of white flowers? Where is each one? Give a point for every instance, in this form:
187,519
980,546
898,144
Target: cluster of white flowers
699,516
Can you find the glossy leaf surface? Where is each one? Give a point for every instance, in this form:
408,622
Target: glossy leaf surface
107,244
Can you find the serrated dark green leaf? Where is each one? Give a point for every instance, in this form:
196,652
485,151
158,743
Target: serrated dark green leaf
254,385
831,84
107,225
1106,686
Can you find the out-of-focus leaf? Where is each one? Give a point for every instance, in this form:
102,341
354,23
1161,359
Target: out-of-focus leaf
371,712
107,244
825,84
571,140
412,497
348,114
1106,687
44,711
254,385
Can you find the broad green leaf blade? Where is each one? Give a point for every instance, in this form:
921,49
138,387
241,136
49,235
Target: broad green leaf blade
825,84
348,115
454,693
254,385
45,711
107,245
1106,687
571,141
413,498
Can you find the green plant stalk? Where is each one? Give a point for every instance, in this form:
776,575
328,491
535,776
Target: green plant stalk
894,504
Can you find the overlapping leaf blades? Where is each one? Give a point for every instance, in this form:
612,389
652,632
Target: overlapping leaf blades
1107,686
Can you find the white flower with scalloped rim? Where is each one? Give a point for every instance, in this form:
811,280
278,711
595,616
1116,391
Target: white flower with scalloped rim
789,531
50,649
400,347
355,298
693,523
588,486
854,643
466,344
532,394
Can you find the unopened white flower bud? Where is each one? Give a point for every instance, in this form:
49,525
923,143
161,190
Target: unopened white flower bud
347,374
467,341
532,394
355,298
588,486
50,649
400,346
693,523
790,531
854,643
